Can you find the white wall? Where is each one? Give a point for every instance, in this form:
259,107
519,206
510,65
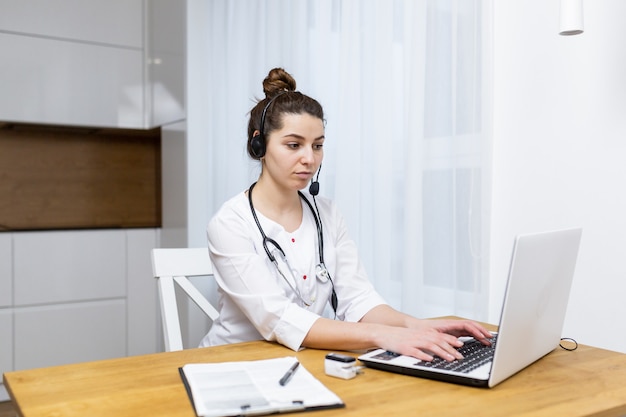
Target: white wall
559,152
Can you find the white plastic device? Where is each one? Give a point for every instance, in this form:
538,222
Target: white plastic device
340,366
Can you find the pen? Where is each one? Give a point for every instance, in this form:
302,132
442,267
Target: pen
289,373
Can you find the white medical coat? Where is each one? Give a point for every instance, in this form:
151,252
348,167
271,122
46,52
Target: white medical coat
255,302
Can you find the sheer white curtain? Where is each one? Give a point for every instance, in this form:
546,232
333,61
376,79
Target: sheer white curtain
402,85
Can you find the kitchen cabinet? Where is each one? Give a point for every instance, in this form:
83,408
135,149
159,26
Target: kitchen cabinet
68,266
6,283
101,63
6,345
78,295
52,81
58,334
113,22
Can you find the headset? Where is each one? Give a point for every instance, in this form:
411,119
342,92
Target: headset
321,272
257,144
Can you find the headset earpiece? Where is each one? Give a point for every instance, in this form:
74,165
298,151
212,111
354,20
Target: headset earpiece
257,145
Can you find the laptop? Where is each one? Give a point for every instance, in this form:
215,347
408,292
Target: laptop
540,277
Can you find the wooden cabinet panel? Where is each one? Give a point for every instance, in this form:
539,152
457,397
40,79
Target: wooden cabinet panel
68,178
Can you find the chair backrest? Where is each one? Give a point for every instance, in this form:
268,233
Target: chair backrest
175,265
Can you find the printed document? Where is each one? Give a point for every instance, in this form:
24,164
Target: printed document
252,387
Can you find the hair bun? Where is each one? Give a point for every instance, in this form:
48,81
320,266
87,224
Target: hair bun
278,81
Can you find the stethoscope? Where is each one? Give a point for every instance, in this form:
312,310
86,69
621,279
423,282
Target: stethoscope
321,272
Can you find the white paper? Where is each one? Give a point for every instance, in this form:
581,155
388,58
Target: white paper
251,387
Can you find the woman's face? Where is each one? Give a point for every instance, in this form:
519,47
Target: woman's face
294,152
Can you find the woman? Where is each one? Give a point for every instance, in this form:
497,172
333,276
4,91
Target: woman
286,268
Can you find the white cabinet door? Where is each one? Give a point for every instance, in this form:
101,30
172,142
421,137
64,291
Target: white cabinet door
6,262
166,47
6,345
80,296
115,22
69,333
57,267
6,313
143,310
69,83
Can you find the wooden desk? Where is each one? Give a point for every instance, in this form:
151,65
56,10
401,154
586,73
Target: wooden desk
561,384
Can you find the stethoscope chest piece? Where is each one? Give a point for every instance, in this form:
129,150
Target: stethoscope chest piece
321,272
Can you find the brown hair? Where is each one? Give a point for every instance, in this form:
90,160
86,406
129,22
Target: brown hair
281,97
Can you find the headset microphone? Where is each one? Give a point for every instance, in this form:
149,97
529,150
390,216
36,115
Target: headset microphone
314,188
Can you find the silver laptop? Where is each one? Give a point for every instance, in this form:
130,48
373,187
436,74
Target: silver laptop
535,302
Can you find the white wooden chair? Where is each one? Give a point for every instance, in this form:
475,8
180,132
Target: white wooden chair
175,265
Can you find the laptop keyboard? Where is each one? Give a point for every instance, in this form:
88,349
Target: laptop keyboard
475,354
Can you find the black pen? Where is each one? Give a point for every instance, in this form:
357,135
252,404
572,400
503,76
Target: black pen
289,373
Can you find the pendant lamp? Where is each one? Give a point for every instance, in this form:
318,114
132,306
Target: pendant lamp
571,17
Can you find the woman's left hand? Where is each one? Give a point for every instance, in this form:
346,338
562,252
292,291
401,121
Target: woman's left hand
457,328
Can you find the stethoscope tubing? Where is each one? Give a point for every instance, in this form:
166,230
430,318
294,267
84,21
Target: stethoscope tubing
323,271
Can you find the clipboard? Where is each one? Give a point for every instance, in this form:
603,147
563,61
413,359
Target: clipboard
246,388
